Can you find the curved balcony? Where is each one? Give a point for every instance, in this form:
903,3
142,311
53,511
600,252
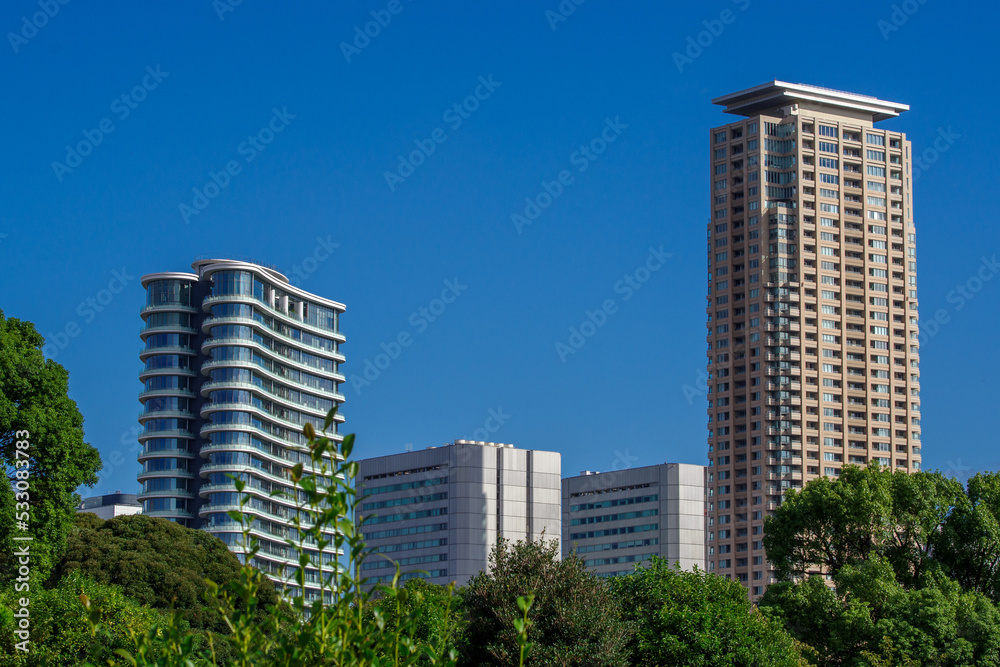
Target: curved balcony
148,330
173,472
236,468
170,514
249,365
147,373
283,459
168,392
165,433
166,493
209,408
146,352
208,387
210,301
165,453
212,343
209,322
166,308
164,414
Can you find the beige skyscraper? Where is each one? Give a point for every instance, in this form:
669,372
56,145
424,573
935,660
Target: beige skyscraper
813,352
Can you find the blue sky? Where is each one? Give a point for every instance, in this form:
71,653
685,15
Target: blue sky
200,79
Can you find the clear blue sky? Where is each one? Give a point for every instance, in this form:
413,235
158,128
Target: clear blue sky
619,400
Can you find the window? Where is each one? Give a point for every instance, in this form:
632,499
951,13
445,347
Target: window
831,163
829,208
828,147
720,137
875,139
720,169
876,201
876,171
832,194
827,131
875,186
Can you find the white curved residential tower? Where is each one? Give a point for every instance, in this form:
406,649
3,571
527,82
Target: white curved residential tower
235,362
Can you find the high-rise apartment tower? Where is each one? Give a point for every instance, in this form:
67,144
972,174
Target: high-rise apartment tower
812,306
235,362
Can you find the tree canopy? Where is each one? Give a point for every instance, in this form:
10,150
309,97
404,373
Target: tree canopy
697,619
35,409
870,620
575,618
832,523
156,562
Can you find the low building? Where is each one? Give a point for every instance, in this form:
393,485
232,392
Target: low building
111,505
440,510
615,520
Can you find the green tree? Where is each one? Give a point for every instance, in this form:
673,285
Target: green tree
35,409
158,563
832,523
969,548
870,618
431,613
697,619
574,618
60,633
329,626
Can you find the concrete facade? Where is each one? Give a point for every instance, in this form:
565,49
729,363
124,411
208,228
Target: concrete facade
441,509
813,349
616,520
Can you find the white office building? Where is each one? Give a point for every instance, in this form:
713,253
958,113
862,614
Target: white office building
438,512
615,520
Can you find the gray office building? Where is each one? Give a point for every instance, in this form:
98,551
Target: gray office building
111,505
440,510
614,520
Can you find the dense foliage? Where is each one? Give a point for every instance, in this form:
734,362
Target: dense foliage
35,409
575,617
158,563
913,559
697,619
60,633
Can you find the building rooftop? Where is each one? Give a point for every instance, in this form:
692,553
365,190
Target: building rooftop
117,498
775,94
